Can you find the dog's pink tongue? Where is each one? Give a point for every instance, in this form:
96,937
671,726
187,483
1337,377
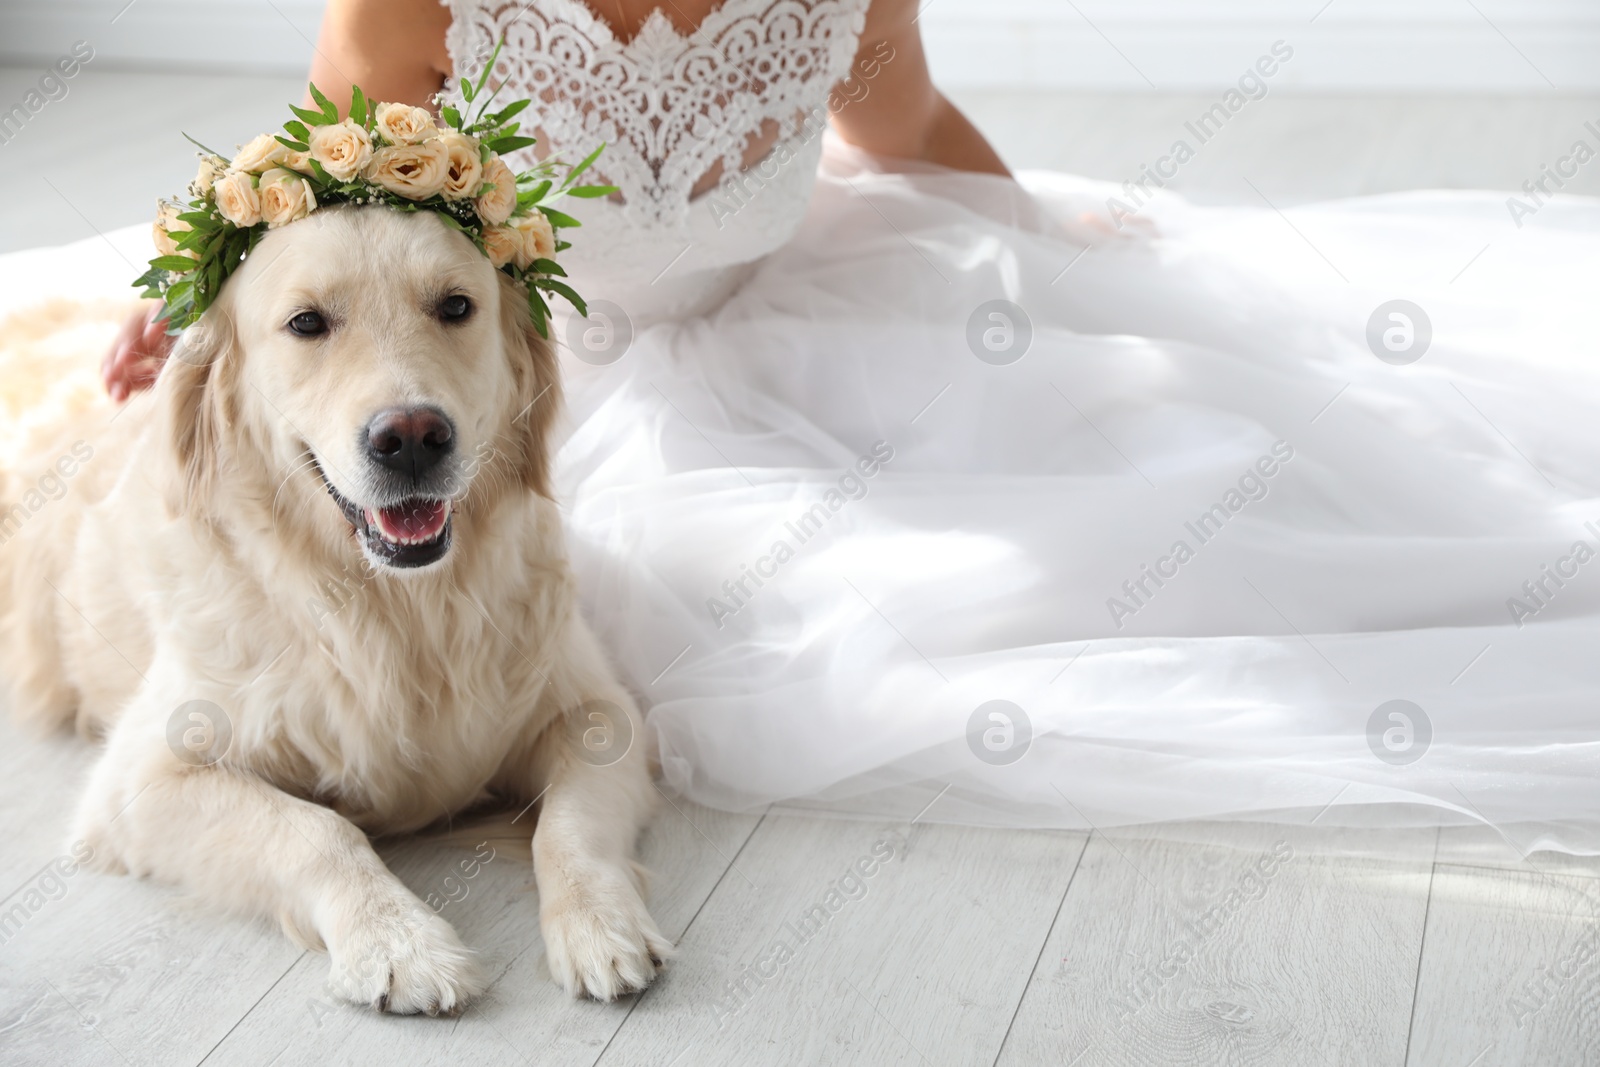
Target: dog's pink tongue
414,520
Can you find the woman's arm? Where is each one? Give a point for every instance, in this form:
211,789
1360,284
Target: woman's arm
889,104
394,49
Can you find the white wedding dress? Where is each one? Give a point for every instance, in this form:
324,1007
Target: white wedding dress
752,344
865,540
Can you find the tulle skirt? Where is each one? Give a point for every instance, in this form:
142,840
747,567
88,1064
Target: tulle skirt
962,507
949,513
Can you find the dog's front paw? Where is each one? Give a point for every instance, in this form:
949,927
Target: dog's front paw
404,962
599,938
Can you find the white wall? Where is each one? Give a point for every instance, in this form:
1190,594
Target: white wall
1534,46
1346,45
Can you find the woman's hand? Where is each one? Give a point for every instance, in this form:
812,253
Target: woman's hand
137,354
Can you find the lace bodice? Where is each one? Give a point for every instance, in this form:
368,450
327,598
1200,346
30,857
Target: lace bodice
672,108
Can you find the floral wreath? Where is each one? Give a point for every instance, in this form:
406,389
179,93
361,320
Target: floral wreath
384,153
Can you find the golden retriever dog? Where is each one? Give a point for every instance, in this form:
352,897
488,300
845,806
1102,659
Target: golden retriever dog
313,587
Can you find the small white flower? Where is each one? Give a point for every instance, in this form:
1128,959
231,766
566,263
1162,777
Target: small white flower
211,168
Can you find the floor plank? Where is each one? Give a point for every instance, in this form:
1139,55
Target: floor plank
1510,970
98,969
526,1017
1235,944
921,961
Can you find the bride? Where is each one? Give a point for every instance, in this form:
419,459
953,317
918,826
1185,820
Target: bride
898,486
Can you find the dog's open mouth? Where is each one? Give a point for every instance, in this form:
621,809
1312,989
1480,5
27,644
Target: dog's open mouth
412,533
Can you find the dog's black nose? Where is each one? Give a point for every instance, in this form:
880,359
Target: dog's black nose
409,440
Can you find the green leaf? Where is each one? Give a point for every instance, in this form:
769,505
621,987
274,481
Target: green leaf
466,90
200,220
565,290
499,117
452,116
297,130
298,146
488,68
558,218
590,192
330,112
358,106
310,118
540,311
549,266
588,161
536,193
509,144
235,252
213,151
175,264
192,240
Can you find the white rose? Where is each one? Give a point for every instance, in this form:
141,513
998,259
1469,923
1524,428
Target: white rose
285,197
535,239
343,149
496,205
414,171
237,200
502,244
263,153
463,168
404,124
211,168
167,219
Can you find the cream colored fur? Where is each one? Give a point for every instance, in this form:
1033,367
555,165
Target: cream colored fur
198,556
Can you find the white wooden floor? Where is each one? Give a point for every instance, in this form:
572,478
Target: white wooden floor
1155,946
1183,945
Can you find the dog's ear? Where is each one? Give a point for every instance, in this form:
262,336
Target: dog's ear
197,407
537,375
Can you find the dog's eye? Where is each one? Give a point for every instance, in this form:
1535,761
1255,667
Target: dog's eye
454,308
309,324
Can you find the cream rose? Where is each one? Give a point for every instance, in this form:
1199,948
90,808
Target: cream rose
414,171
237,200
502,244
211,168
285,197
297,161
167,219
343,149
404,124
496,205
261,154
463,168
535,238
